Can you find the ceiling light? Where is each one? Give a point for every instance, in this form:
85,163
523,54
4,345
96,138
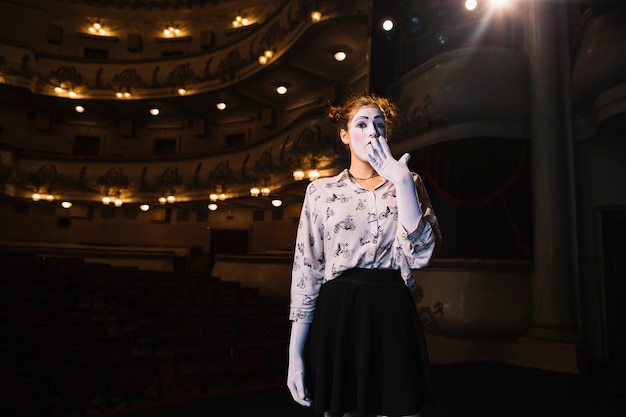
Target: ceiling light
118,202
221,105
340,56
170,198
50,197
154,111
66,204
106,200
471,4
162,200
212,206
72,94
262,59
387,25
144,207
213,197
277,203
281,89
255,191
265,191
36,197
182,91
79,109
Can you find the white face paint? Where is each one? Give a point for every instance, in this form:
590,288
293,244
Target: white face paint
366,124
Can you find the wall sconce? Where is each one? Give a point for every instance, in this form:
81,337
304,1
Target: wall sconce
118,202
255,191
171,31
162,200
213,197
265,191
298,174
123,93
36,196
240,21
97,29
106,200
170,199
267,55
69,92
314,174
181,91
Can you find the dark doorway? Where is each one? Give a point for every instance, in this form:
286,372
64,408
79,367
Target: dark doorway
614,245
229,241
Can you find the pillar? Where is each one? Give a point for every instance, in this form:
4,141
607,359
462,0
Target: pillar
555,272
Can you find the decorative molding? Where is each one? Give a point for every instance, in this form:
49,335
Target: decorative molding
208,70
177,39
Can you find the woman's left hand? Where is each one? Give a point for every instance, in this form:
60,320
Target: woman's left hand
380,158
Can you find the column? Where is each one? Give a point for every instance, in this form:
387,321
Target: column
555,272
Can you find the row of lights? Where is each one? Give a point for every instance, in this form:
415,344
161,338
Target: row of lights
471,5
173,31
154,111
300,174
118,202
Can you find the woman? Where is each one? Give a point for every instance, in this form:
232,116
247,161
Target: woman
360,233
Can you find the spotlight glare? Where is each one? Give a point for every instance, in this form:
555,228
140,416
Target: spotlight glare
471,4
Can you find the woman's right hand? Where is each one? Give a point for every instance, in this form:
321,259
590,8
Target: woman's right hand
295,370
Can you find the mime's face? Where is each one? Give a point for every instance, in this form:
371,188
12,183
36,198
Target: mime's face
367,123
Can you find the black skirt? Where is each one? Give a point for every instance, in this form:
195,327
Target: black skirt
365,350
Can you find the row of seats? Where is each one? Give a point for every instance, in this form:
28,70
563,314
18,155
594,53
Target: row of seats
57,316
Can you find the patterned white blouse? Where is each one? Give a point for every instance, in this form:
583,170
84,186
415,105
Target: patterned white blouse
344,225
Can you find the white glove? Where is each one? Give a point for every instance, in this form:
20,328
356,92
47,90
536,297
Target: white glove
295,370
380,158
